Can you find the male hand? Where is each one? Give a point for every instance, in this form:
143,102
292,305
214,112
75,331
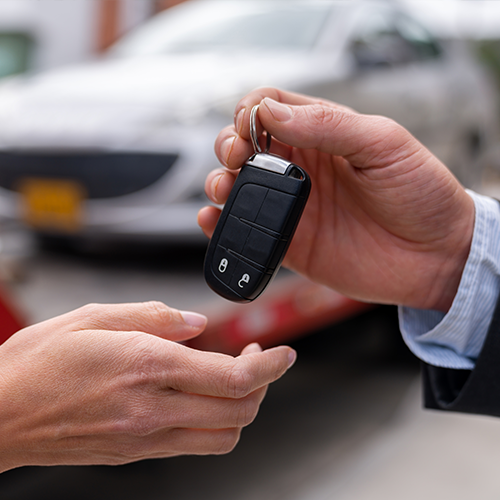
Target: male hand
386,221
106,384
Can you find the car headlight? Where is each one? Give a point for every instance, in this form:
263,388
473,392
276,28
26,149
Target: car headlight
191,112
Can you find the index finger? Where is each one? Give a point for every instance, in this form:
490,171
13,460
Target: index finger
219,375
152,317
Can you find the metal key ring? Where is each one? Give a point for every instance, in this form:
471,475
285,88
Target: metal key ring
253,133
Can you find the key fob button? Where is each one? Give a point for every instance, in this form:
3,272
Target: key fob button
278,255
275,210
248,202
247,281
224,264
234,234
260,247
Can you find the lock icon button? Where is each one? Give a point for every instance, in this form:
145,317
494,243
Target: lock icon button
224,265
244,280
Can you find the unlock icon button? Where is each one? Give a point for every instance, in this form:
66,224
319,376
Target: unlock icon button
247,280
244,280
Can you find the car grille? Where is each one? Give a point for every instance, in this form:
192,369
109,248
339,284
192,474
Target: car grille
103,175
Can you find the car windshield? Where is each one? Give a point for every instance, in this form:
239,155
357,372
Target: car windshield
223,25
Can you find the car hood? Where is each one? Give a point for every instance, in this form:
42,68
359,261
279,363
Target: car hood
120,97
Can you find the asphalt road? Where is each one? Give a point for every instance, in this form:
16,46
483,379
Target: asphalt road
344,423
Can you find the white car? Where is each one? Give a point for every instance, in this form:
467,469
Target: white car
119,148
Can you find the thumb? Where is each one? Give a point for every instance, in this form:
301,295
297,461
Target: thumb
364,140
188,326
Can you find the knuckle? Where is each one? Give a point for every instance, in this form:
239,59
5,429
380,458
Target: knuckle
91,309
247,412
141,428
133,450
136,425
159,311
227,441
388,123
126,451
139,425
322,121
144,362
395,141
140,419
388,127
320,115
90,315
127,445
239,382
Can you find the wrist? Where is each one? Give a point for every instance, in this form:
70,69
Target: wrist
10,415
447,284
450,261
6,463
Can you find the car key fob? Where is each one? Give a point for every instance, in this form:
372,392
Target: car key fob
256,225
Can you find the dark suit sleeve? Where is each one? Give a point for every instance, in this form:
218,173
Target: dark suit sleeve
476,391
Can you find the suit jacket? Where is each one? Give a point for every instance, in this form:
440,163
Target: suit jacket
476,391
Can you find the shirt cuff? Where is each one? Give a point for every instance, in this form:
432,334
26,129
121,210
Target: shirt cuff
454,340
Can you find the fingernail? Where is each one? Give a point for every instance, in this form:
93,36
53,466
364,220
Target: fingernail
215,185
193,319
225,149
292,356
239,120
280,112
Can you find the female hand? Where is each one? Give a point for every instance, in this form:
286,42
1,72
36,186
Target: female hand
109,384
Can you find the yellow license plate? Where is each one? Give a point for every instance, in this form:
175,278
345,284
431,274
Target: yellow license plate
53,205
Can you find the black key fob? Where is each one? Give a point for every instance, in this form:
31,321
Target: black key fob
256,226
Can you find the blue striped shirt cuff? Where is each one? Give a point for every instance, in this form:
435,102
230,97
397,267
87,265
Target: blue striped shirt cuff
454,340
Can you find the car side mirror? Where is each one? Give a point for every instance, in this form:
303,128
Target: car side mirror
387,49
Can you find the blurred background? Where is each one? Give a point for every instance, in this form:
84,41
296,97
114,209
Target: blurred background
108,114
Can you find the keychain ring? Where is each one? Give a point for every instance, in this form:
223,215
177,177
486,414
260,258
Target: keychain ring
253,133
